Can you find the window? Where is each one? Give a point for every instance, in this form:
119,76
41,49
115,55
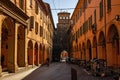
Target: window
85,3
101,9
36,8
63,17
89,1
31,22
80,11
60,17
95,16
83,28
21,4
31,3
90,22
108,5
66,17
41,31
36,27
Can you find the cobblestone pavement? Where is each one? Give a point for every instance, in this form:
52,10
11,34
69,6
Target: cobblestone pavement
56,71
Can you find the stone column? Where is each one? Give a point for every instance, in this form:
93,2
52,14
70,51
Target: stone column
33,56
1,20
12,49
119,43
26,48
93,52
119,52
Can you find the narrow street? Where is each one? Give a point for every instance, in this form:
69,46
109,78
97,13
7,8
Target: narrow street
56,71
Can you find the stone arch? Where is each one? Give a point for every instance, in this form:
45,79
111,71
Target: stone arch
89,50
113,46
30,53
95,55
112,33
101,39
102,46
7,41
64,54
36,59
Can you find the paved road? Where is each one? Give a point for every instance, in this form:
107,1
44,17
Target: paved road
56,71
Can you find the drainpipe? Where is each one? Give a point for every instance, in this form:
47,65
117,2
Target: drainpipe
105,30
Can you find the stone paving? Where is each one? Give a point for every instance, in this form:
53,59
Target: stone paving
56,71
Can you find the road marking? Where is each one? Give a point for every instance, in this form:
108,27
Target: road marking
86,71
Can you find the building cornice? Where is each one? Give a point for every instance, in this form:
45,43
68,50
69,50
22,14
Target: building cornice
8,8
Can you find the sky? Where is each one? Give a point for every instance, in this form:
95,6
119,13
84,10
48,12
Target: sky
58,6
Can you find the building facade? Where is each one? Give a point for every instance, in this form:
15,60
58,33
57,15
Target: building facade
60,35
95,31
26,31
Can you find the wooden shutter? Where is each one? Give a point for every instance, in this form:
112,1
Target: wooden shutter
31,22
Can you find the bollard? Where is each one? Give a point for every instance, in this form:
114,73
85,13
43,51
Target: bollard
73,74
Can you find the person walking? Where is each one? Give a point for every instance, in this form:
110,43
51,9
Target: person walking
48,61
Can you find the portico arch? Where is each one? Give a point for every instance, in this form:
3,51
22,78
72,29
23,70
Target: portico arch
89,50
30,53
113,46
101,46
36,59
95,54
8,55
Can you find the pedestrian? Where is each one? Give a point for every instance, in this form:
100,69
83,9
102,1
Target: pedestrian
48,61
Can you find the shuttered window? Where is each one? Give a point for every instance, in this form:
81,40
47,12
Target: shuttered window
41,31
31,22
36,27
101,9
36,8
108,5
95,16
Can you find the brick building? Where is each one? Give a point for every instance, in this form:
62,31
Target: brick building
60,35
26,31
96,31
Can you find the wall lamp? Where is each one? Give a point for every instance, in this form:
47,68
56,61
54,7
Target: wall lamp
117,17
